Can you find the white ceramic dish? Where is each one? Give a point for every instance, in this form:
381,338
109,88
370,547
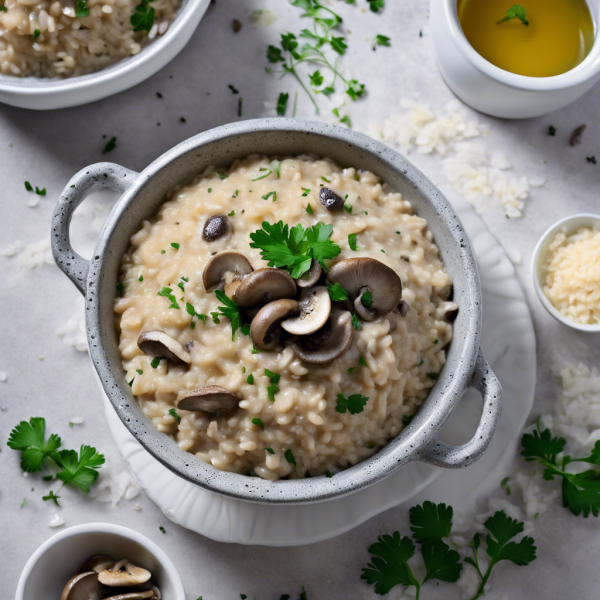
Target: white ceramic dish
44,93
568,226
497,92
57,560
509,343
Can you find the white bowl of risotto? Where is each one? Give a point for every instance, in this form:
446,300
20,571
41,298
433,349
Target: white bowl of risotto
282,311
566,271
58,53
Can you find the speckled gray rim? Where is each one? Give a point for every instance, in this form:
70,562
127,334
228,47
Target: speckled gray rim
143,193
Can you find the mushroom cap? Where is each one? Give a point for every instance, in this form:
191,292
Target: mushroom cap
266,330
329,343
98,563
311,277
216,227
359,275
315,305
161,344
330,200
139,595
213,400
84,586
124,574
264,286
222,266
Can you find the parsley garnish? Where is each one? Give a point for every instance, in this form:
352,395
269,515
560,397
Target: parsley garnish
389,566
356,322
175,246
309,209
162,529
352,241
250,379
28,186
366,299
406,419
337,292
362,361
141,278
120,288
231,310
269,194
173,413
255,350
269,450
51,496
289,456
273,388
354,404
552,130
233,90
222,175
155,362
167,292
305,192
376,5
82,469
501,529
142,18
381,40
110,145
580,491
81,9
294,248
433,376
282,103
192,311
240,102
29,438
4,9
36,34
515,12
348,208
258,422
590,159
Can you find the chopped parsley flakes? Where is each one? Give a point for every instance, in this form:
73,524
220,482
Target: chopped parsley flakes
354,404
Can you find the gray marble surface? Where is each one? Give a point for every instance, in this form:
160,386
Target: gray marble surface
47,148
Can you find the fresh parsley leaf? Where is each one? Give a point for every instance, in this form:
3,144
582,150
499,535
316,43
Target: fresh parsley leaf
356,322
316,79
29,438
175,246
406,419
266,173
542,446
590,159
352,241
28,186
355,89
80,470
155,362
282,103
338,44
376,5
112,143
441,562
289,456
348,123
81,9
274,54
366,299
273,388
269,194
305,192
337,292
433,376
173,413
515,12
258,422
309,209
3,8
250,379
51,496
222,175
233,90
362,361
167,292
552,130
381,40
142,18
231,310
269,450
354,404
430,521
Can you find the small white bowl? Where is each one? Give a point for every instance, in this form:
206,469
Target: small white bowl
568,226
59,558
494,91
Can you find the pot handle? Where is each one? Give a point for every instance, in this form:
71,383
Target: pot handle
95,177
455,457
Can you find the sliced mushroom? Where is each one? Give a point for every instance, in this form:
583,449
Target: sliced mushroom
266,325
216,227
311,277
314,305
330,200
161,344
264,286
84,586
124,574
329,343
98,563
361,275
147,595
223,269
403,308
213,400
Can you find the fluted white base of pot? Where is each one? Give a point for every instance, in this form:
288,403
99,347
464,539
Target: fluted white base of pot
508,342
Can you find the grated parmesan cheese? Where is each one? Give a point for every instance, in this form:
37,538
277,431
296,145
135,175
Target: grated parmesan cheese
573,275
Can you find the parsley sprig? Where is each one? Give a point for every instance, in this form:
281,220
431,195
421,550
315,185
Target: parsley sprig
389,564
502,529
354,404
321,37
78,469
293,249
142,18
580,491
233,312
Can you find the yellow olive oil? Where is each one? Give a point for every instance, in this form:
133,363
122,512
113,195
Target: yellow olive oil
559,36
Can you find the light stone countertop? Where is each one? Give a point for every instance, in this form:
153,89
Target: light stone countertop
48,148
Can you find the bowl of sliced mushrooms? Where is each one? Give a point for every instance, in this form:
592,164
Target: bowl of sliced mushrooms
99,561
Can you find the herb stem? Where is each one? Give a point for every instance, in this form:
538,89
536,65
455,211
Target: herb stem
484,580
292,70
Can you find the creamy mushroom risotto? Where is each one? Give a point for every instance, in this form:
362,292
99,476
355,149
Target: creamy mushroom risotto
283,319
62,38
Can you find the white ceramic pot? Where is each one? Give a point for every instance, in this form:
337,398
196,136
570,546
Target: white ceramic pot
44,93
497,92
59,558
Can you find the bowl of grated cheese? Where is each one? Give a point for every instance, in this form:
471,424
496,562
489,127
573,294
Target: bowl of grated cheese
566,271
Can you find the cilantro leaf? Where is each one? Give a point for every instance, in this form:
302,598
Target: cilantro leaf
430,521
80,470
231,310
441,562
389,563
29,438
337,292
354,404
